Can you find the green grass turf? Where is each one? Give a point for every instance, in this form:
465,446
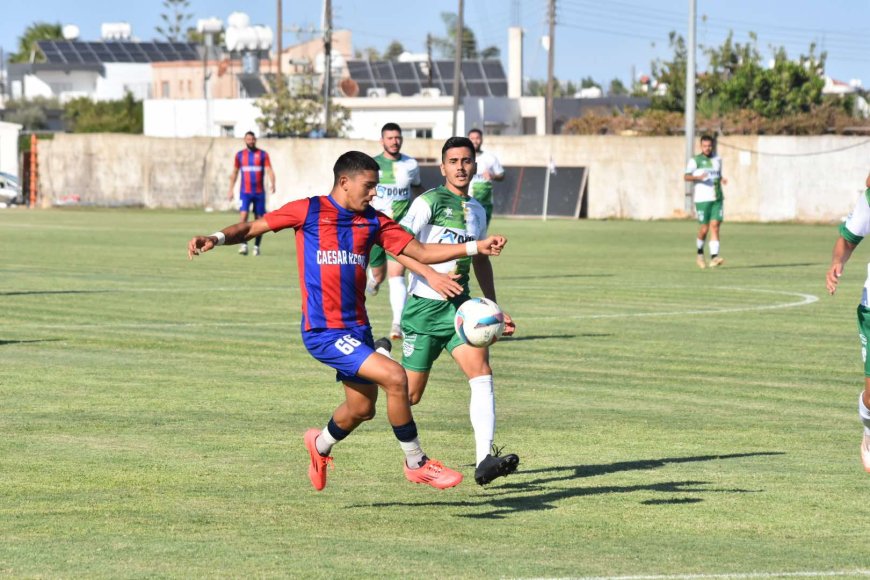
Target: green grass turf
151,411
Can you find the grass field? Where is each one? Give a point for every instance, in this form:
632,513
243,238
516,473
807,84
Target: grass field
670,421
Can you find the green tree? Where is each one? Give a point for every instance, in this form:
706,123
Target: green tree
174,19
298,111
446,46
393,51
672,74
84,115
32,114
32,34
617,88
370,53
588,83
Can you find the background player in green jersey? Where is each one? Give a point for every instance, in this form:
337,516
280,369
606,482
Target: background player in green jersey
705,172
488,170
447,214
399,177
852,231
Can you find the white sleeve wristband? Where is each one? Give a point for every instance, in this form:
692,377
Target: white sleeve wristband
471,248
221,238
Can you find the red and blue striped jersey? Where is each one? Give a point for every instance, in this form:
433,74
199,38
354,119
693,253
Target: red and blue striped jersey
332,252
253,166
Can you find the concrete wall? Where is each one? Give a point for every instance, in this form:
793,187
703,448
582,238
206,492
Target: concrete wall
770,178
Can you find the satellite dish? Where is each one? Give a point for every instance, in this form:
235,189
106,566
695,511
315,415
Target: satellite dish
349,87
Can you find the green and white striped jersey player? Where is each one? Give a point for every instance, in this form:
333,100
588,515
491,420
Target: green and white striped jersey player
852,232
397,177
447,214
704,171
488,170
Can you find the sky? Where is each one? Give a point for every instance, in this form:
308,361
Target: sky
602,39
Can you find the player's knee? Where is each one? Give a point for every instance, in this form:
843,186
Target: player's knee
478,370
414,397
396,380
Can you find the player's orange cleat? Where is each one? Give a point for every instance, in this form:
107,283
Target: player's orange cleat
319,463
433,473
865,452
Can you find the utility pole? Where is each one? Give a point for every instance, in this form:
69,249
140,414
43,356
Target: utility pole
551,50
690,101
428,60
327,63
279,36
457,66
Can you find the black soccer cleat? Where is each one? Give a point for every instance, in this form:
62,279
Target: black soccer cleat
494,466
384,343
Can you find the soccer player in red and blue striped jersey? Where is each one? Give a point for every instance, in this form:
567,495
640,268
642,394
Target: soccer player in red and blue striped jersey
253,163
334,235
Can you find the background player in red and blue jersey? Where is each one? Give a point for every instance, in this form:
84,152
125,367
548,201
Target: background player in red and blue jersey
334,235
253,163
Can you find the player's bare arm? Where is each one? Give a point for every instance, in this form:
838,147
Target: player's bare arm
444,284
232,183
486,280
437,253
271,173
842,252
234,234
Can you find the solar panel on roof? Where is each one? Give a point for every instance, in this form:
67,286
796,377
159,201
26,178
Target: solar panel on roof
471,70
493,70
404,71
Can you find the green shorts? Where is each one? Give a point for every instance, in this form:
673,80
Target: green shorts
710,211
863,333
378,257
428,328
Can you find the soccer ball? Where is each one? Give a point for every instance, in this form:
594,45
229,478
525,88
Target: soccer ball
479,322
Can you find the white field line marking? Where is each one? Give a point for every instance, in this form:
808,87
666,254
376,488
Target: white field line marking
805,300
739,576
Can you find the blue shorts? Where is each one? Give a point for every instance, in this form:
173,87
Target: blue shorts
257,199
344,349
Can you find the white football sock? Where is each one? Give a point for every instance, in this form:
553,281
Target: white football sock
481,409
714,248
864,413
325,441
398,294
699,243
414,456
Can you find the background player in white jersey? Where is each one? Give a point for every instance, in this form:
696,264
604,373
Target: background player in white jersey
446,214
399,177
852,231
705,171
488,170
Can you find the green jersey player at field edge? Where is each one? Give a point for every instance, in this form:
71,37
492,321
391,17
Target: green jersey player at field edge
446,214
852,231
488,170
399,177
705,172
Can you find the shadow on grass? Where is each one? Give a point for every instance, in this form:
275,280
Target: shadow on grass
6,342
39,292
549,336
505,499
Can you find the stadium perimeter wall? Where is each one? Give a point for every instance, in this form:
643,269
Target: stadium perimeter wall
770,178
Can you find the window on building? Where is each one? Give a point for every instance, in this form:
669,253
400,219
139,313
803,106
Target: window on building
417,132
228,131
530,125
164,89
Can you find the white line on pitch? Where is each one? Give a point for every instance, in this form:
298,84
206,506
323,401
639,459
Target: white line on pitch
737,576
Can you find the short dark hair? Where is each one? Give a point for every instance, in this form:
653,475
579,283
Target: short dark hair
390,127
706,137
353,162
476,130
455,142
251,133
